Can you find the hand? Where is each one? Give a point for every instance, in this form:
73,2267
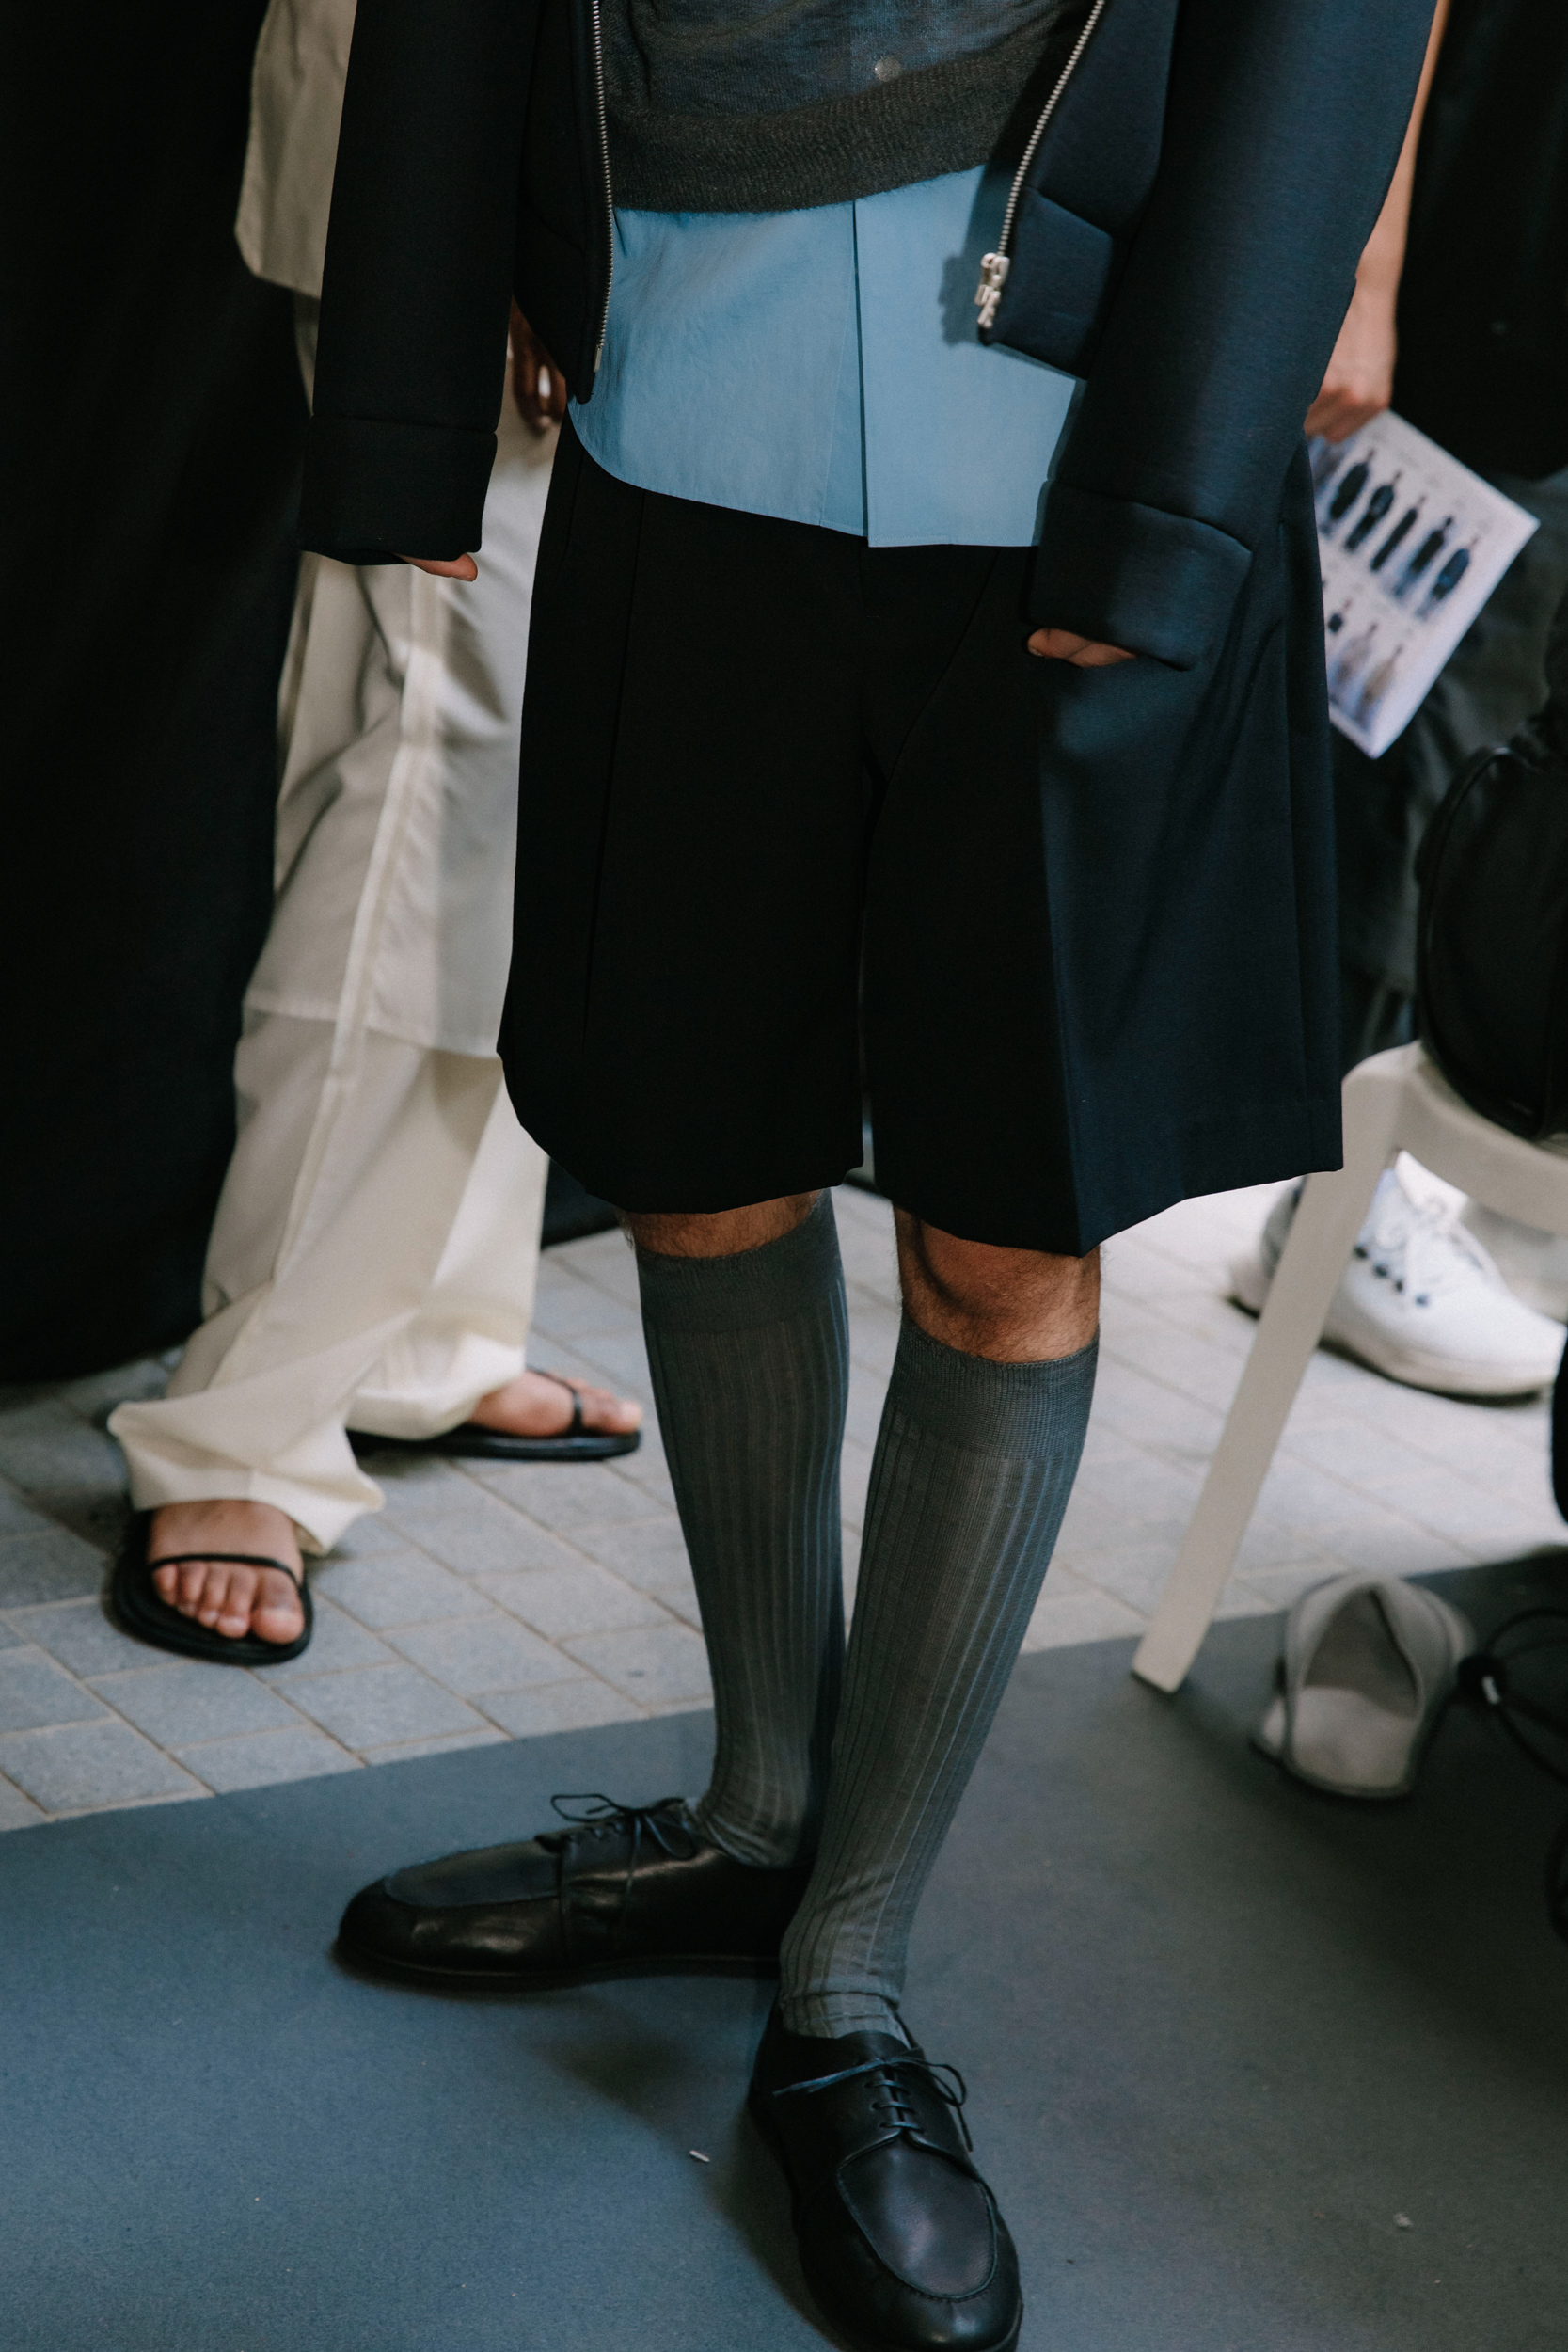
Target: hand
538,386
460,567
1084,653
1360,379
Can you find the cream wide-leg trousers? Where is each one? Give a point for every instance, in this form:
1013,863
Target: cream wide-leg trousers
373,1262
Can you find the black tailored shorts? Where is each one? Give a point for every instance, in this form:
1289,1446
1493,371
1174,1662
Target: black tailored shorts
779,793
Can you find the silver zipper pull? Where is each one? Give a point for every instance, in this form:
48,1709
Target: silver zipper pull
993,277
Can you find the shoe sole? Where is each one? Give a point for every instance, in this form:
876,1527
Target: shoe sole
1409,1370
768,2134
551,1979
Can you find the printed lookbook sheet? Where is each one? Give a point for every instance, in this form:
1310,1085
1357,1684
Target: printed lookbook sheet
1413,544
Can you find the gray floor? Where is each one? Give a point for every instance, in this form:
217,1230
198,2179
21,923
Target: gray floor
1248,2068
486,1605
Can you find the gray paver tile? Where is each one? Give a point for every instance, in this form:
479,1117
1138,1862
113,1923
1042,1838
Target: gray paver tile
1239,1600
17,1516
337,1643
605,1259
414,1484
854,1482
405,1751
654,1666
616,1359
560,1706
647,1469
486,1536
17,1811
483,1654
35,1692
79,1766
13,1641
54,1565
568,1495
369,1538
186,1701
1281,1588
262,1757
573,1309
79,1634
99,1515
558,1602
650,1553
404,1588
1062,1618
44,1446
374,1705
1133,1573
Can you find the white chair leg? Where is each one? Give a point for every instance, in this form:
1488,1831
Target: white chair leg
1323,1233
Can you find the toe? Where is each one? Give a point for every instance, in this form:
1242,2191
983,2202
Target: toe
278,1613
231,1616
611,1415
190,1595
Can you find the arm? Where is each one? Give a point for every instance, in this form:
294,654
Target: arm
1360,379
418,282
1282,129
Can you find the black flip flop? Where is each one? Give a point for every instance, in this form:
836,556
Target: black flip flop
469,1442
141,1611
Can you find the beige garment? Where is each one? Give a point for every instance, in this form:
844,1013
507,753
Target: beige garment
373,1258
296,97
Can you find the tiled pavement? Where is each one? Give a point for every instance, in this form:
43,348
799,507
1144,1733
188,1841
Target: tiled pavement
492,1603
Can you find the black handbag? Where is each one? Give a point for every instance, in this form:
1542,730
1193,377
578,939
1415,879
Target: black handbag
1492,936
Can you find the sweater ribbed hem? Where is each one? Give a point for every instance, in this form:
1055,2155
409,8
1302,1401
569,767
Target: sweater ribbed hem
923,124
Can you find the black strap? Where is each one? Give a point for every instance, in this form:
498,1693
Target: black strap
576,1426
228,1560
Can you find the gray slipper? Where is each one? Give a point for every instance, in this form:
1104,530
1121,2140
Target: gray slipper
1369,1663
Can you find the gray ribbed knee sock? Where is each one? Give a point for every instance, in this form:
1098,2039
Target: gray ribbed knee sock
974,1463
751,1371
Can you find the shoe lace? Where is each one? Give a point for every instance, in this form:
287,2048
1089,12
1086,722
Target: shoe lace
1421,1249
642,1825
890,2099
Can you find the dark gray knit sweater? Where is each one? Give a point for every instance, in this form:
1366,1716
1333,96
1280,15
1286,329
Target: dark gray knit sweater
768,106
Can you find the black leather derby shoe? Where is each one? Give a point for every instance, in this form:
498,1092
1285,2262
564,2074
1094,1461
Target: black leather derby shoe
621,1890
900,2238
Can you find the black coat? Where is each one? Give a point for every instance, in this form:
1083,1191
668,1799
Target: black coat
1483,300
1197,208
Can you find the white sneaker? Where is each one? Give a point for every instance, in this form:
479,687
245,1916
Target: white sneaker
1420,1301
1532,1264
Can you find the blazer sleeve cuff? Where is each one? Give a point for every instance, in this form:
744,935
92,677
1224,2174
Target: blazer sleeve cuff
377,491
1133,575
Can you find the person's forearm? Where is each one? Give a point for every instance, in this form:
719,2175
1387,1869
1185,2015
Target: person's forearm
1359,381
1383,258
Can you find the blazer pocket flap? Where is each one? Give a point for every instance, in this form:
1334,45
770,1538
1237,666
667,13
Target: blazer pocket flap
1058,287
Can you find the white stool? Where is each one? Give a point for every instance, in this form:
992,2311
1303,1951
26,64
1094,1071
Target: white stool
1396,1101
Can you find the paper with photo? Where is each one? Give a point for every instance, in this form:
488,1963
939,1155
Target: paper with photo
1412,544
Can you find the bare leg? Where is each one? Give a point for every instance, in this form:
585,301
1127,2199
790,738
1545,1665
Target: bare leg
1012,1306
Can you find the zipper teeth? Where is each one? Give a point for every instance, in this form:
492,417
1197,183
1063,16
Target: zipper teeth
609,190
1038,132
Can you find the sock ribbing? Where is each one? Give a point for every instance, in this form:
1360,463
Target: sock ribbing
750,1358
973,1465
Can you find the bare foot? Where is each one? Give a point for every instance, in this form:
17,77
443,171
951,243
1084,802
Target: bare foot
231,1600
534,1405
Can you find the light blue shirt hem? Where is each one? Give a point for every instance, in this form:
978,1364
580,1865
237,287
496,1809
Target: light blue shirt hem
823,367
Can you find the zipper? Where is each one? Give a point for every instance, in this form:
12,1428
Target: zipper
604,167
995,267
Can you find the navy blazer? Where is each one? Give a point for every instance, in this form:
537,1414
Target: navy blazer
1189,235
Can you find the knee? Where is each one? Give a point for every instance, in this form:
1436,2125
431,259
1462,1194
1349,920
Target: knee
720,1233
1011,1305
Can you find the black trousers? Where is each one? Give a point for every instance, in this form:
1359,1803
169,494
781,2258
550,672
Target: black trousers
780,789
